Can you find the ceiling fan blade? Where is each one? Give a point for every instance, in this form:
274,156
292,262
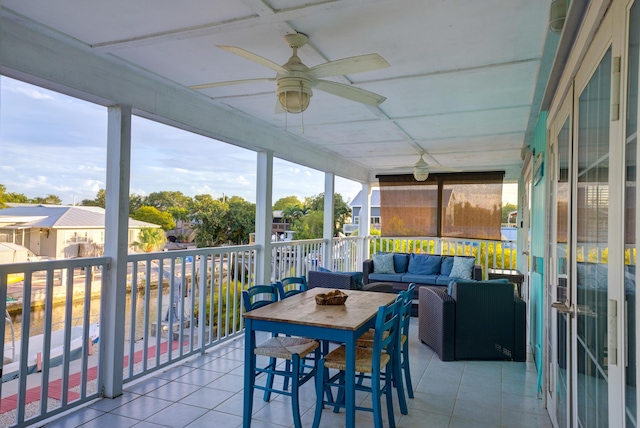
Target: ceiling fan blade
354,64
349,92
255,58
232,82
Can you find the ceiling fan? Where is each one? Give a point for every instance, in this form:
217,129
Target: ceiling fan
294,80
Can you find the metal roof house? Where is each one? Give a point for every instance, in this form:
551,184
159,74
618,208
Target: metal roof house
60,232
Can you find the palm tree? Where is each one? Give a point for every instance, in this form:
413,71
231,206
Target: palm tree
150,239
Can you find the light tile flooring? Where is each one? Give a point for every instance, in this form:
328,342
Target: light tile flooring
207,392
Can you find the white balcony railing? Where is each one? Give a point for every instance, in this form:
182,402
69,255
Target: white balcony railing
60,365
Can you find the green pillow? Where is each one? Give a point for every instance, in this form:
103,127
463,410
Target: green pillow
383,263
462,267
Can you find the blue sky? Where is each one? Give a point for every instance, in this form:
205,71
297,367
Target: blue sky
54,144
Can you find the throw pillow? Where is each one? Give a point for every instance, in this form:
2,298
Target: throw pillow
424,264
383,263
447,265
321,269
462,267
400,262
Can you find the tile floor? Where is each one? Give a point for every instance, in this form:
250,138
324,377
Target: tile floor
207,392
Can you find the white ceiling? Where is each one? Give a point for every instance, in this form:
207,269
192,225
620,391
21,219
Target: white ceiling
460,85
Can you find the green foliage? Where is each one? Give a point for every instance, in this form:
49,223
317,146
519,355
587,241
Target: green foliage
150,239
153,215
309,226
231,295
506,209
283,203
223,220
99,201
49,199
167,199
135,202
241,218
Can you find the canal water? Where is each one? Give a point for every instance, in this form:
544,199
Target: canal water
37,316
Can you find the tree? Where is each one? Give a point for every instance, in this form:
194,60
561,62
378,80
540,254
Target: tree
310,226
341,210
167,199
180,215
153,215
242,219
506,209
135,202
150,239
283,203
210,222
99,201
49,199
11,197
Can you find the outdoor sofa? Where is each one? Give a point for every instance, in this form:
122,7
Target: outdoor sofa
402,269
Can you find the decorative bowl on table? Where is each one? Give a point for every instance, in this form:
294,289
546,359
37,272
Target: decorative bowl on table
336,297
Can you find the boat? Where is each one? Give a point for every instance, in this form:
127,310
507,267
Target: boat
12,359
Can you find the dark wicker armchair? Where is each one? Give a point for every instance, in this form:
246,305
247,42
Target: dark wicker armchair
480,320
343,281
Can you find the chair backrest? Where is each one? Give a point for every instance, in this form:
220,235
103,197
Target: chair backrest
405,313
292,285
387,321
259,295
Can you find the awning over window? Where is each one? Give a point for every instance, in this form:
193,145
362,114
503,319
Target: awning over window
461,205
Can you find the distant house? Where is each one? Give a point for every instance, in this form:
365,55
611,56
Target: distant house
59,232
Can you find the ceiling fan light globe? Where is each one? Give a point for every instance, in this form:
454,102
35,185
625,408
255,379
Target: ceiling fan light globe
420,174
421,170
294,94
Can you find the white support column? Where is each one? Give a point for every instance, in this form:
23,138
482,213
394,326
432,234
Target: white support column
329,224
364,226
264,215
116,246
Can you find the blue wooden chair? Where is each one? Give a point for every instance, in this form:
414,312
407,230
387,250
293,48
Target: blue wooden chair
374,361
404,336
292,285
291,349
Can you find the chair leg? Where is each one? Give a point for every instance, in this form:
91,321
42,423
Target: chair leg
287,368
375,398
270,376
396,368
295,388
321,377
389,394
406,367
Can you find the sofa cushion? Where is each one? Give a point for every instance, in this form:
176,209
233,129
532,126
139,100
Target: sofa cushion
400,262
385,277
424,264
443,280
420,279
447,264
383,263
462,267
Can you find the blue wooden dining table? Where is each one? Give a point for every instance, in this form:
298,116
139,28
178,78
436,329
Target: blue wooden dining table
300,315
